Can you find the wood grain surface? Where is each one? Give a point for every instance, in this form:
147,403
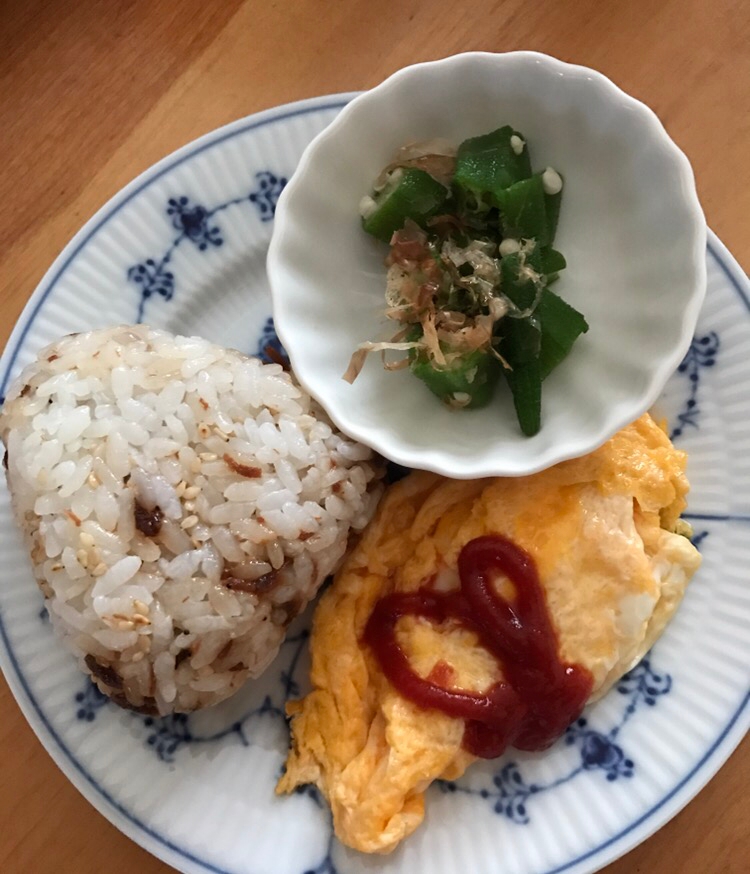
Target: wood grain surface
93,92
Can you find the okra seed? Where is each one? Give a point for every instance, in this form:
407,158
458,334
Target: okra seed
551,181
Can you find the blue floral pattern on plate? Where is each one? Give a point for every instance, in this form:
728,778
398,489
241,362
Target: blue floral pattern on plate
702,353
194,222
88,702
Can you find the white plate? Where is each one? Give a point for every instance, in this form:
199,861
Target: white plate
198,791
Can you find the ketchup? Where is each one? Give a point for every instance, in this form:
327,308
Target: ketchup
539,695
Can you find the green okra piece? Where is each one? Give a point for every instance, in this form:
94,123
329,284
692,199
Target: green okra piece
552,261
525,383
469,381
488,164
523,211
410,193
520,347
520,285
561,325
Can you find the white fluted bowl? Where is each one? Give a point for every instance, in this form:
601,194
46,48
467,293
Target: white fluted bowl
631,229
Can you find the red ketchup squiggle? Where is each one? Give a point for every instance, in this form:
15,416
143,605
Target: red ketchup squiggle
539,695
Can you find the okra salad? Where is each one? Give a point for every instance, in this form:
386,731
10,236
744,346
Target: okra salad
470,267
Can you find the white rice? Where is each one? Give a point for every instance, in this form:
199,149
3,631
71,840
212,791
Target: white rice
182,504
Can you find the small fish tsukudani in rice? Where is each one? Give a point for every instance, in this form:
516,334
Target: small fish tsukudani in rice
182,503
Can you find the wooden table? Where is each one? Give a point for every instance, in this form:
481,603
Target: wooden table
93,92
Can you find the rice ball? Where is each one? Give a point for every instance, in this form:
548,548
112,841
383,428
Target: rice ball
182,503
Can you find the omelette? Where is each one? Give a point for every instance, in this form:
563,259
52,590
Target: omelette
609,548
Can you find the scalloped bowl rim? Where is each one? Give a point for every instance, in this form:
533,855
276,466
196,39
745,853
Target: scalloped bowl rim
439,460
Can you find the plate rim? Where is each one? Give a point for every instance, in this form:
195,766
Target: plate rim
128,823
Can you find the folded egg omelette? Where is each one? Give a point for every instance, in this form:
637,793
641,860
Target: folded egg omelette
602,531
